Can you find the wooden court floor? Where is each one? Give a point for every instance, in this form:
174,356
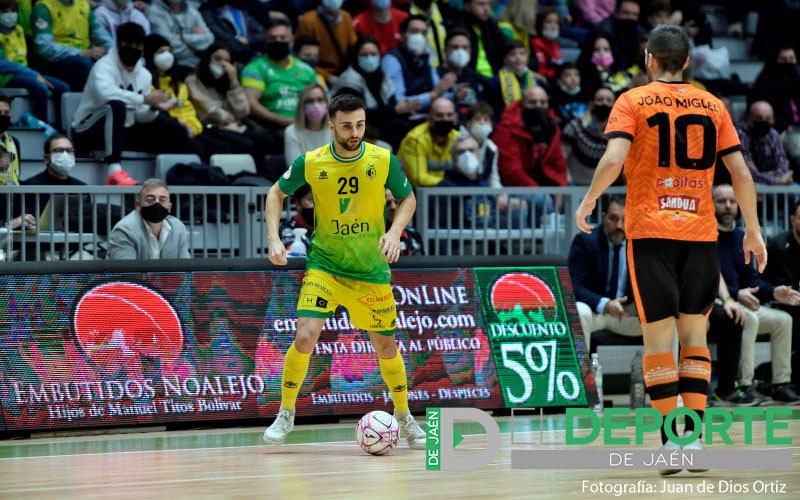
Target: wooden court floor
323,461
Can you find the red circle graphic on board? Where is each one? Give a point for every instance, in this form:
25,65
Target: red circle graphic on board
521,293
128,317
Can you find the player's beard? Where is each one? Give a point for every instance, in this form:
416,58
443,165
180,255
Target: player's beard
347,145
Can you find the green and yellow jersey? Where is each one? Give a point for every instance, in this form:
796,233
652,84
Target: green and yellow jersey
349,205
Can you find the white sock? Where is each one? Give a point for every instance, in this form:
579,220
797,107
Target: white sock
114,167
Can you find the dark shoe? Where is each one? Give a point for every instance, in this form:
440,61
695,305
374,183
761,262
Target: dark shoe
752,391
736,398
784,393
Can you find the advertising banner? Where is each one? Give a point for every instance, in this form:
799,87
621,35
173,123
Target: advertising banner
105,349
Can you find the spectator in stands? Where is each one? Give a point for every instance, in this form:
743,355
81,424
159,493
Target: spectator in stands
479,119
410,239
656,12
179,22
753,292
438,16
310,128
583,140
221,103
599,67
725,325
235,27
333,27
68,40
690,15
111,13
529,142
307,50
119,91
567,96
409,68
9,169
365,78
762,147
486,38
273,83
149,232
160,62
14,70
468,87
382,22
779,84
513,78
295,233
425,152
518,22
594,12
623,31
59,160
545,49
598,268
783,268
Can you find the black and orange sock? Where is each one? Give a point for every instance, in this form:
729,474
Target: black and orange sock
661,380
694,372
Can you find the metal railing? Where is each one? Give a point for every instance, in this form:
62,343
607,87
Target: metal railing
229,221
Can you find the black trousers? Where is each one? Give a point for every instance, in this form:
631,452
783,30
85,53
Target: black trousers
728,336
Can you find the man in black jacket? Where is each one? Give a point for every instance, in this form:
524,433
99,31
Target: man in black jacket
599,271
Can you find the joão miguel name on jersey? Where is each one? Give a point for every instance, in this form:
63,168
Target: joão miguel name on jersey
684,102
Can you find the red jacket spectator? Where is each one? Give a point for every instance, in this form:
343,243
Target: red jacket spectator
548,56
522,161
387,34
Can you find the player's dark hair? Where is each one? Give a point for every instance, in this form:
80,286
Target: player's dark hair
456,32
345,103
5,98
47,146
541,16
669,44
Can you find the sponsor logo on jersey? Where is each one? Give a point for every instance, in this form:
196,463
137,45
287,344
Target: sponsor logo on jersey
314,301
323,175
681,182
350,228
348,206
678,204
370,299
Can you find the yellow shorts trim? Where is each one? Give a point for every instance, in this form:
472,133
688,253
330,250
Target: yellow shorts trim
371,305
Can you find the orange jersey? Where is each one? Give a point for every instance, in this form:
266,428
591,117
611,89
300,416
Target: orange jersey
677,132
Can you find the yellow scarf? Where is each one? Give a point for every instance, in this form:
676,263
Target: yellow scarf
509,85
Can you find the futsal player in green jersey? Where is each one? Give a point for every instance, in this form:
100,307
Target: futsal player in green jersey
351,250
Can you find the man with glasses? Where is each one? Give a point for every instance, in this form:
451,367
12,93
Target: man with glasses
149,232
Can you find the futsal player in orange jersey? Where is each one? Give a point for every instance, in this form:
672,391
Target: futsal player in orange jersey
669,135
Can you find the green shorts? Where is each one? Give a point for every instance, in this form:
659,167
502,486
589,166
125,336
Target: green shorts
371,305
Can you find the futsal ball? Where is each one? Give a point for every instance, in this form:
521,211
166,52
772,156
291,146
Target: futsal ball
377,433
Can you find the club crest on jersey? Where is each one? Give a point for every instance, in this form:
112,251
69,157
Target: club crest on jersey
678,205
323,175
371,172
348,206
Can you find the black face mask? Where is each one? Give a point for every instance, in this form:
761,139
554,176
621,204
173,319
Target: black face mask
601,112
442,128
760,129
277,51
5,122
534,117
154,213
423,4
129,56
307,214
625,25
786,69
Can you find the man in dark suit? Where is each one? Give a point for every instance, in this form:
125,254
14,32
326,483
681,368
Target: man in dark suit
599,271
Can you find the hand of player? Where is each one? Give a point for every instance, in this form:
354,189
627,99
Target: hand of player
755,243
746,298
785,295
734,311
389,245
584,210
615,309
277,252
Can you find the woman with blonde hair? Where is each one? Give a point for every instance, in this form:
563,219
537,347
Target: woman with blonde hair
310,128
518,21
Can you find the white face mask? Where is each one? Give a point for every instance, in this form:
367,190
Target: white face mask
468,165
216,70
8,19
332,4
550,34
480,131
62,163
459,58
417,44
164,60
